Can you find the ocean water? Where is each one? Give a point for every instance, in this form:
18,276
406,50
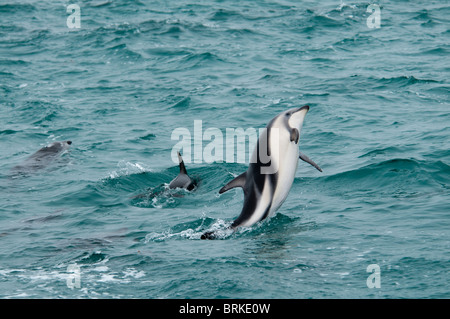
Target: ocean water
135,71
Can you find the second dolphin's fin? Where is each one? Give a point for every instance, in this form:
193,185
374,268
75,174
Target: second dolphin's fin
182,167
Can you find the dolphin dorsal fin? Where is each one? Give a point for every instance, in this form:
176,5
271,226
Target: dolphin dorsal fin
236,182
182,167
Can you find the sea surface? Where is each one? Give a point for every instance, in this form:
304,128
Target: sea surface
135,71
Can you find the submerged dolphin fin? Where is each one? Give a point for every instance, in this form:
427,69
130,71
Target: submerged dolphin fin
236,182
305,158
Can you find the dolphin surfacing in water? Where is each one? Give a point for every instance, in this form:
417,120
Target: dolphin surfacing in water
271,171
42,158
182,180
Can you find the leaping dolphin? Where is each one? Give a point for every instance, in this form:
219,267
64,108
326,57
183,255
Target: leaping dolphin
271,172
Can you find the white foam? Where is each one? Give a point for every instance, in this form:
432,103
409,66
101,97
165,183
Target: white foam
132,272
128,168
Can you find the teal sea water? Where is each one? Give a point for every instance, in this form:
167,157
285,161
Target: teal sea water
134,71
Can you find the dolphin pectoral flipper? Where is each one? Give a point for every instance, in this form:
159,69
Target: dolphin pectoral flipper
236,182
295,135
305,158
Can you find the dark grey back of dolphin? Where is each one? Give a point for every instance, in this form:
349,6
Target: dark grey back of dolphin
42,157
182,180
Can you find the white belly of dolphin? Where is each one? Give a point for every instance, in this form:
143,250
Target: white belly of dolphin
286,174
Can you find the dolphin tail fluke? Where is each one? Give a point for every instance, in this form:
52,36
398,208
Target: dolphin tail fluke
236,182
305,158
